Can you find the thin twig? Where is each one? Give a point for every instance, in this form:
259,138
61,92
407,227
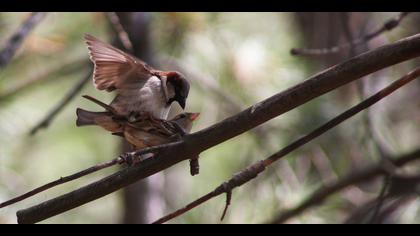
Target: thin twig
360,84
44,123
387,26
119,29
193,144
15,41
347,114
124,158
226,187
227,204
62,180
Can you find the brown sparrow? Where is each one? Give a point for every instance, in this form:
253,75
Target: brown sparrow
140,132
139,87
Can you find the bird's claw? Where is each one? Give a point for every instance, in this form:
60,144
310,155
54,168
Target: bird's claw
127,158
131,159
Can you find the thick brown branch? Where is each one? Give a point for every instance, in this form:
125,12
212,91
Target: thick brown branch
252,171
255,115
387,26
44,123
15,41
321,194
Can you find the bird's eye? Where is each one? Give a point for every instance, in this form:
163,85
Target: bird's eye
183,116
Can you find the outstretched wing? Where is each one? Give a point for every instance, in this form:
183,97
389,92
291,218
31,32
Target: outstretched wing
115,69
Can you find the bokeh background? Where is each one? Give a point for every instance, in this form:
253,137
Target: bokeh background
233,60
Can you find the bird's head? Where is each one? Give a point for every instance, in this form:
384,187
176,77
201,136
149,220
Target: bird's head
181,88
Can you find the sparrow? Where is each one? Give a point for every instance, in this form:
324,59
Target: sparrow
140,132
145,133
140,88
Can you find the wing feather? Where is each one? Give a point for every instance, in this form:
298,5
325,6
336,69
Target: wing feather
113,68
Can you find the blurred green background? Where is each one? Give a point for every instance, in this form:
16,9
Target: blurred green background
233,60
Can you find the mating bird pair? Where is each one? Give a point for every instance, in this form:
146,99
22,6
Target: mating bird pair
144,95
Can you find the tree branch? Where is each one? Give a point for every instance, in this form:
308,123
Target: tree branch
252,171
125,158
195,143
387,26
15,41
44,123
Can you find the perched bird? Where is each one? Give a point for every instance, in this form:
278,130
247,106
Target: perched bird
140,132
139,87
147,134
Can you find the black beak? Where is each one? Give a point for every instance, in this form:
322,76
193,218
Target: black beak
181,102
179,99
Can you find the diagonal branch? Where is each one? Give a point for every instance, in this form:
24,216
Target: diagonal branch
193,144
15,41
252,171
387,26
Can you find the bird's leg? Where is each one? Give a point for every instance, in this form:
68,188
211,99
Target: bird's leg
139,158
127,158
